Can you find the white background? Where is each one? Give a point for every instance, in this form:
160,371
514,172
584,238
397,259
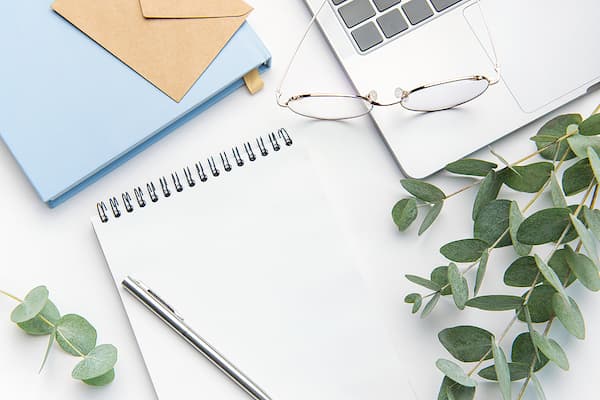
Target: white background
58,247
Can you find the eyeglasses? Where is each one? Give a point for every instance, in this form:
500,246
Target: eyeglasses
431,97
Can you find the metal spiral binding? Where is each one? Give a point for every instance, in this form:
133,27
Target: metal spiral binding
275,140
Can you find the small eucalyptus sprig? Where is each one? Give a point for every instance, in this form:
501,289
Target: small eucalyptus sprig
567,141
38,316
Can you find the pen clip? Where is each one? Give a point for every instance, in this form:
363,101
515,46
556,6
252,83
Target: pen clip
165,304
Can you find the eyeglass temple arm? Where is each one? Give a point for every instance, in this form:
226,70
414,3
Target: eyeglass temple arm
295,54
491,39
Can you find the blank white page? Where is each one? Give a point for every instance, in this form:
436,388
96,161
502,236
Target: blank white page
254,263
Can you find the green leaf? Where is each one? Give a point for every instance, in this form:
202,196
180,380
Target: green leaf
517,372
466,250
481,271
496,302
569,315
47,353
579,144
558,262
589,242
515,220
404,213
525,353
458,283
451,390
423,282
431,216
492,223
592,220
551,277
539,304
502,371
591,126
544,226
37,326
584,269
558,198
557,127
423,190
440,276
75,335
538,388
416,300
552,350
455,372
528,178
471,167
102,380
488,191
467,343
521,273
96,363
577,177
32,305
594,163
430,305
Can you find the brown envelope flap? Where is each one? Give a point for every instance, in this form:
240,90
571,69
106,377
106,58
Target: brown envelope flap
194,8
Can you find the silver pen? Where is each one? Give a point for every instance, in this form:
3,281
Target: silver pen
168,314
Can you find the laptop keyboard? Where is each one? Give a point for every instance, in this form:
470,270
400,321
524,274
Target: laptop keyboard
372,23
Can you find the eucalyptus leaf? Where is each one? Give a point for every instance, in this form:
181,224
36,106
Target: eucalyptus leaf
423,190
483,261
47,353
577,177
498,302
502,371
471,167
430,305
557,128
458,283
551,277
467,343
37,326
455,372
539,304
515,220
423,282
590,126
551,349
488,191
525,353
592,219
558,262
492,223
528,178
538,388
594,163
32,305
465,250
521,273
517,372
588,240
440,276
579,144
558,198
431,216
75,335
404,213
569,315
450,390
96,363
584,269
544,226
101,380
415,299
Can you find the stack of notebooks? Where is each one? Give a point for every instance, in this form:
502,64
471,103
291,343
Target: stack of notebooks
88,84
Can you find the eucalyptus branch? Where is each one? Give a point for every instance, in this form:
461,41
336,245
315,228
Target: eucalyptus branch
15,298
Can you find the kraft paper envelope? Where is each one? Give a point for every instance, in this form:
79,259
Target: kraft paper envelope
168,42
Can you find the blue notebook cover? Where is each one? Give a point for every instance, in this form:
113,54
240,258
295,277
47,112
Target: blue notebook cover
70,111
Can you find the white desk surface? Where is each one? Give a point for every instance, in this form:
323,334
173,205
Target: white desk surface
58,247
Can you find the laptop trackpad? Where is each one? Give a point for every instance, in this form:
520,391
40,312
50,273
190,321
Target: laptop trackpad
545,47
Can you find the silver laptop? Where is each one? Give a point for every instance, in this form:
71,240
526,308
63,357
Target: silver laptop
545,49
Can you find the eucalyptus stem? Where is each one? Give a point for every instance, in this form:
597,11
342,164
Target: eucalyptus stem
15,298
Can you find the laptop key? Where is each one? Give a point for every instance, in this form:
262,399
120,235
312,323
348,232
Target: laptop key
417,11
392,23
383,5
441,5
356,12
337,2
367,36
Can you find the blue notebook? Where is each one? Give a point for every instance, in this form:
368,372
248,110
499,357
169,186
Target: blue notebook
70,111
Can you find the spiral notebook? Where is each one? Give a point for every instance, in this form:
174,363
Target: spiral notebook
244,246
